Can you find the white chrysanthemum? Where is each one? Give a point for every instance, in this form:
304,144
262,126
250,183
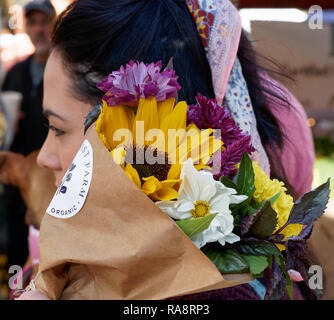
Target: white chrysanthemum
199,196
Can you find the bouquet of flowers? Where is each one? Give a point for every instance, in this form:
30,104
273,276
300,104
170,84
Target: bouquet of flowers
195,164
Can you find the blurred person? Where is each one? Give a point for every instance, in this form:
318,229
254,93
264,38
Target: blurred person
26,78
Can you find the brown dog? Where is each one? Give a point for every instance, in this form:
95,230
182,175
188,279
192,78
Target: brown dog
36,184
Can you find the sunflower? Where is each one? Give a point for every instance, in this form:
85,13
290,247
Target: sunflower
152,141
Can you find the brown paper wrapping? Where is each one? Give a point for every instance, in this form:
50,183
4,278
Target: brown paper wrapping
121,246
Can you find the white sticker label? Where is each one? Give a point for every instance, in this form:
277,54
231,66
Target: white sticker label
72,192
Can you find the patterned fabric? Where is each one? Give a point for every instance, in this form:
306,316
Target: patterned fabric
238,102
219,25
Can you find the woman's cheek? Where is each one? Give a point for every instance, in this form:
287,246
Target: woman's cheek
70,145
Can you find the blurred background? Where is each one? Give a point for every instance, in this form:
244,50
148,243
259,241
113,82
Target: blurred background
297,34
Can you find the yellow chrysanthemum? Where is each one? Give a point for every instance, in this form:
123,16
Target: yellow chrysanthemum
158,129
265,188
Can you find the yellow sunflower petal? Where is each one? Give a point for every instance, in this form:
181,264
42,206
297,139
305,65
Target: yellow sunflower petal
201,166
147,114
118,155
209,148
151,185
133,175
166,193
165,108
170,183
188,147
160,190
174,172
174,125
199,145
112,119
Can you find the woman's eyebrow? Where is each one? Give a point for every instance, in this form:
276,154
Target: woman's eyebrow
47,113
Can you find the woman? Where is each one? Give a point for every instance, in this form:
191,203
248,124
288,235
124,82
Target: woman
93,38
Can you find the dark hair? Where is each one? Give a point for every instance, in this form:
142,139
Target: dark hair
103,35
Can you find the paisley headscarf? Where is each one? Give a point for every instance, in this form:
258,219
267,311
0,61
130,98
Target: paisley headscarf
219,25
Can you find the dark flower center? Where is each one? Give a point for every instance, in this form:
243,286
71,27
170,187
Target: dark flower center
148,162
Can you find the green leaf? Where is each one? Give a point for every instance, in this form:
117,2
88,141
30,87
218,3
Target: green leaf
257,248
235,208
192,227
258,206
240,208
227,260
274,198
264,223
280,261
247,210
289,286
310,206
270,261
245,177
92,116
228,183
257,264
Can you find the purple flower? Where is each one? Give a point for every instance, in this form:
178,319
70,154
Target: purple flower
208,114
232,155
139,80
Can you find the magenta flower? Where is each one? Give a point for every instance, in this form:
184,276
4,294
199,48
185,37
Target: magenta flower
232,155
208,114
139,80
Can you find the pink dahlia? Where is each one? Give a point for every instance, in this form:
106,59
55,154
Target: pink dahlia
139,80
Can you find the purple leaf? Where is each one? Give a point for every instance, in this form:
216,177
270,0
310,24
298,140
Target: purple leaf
272,277
265,222
310,206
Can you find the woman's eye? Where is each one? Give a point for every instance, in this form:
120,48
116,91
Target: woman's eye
57,131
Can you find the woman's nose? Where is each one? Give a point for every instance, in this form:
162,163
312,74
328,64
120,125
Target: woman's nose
48,157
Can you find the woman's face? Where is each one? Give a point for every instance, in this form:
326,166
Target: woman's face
66,116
